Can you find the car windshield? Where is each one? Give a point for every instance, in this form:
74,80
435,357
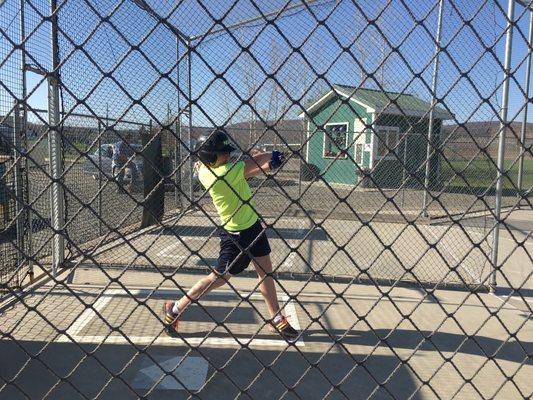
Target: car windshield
103,148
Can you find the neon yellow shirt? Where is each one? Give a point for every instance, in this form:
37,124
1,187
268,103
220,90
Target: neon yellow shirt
229,189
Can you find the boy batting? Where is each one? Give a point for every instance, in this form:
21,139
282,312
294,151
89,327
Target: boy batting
240,229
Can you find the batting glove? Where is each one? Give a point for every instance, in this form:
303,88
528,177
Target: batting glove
277,160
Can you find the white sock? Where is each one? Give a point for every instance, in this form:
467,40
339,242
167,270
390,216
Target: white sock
175,309
277,319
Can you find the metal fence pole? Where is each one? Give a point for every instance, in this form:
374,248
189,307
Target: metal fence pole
429,150
526,99
189,103
177,160
404,174
100,177
300,161
19,200
24,127
177,134
54,148
501,144
169,135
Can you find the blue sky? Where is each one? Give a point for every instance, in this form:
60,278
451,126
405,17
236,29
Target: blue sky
410,29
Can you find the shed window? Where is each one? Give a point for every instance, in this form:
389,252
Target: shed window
388,139
335,140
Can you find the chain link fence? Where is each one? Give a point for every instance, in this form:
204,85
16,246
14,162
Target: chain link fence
404,199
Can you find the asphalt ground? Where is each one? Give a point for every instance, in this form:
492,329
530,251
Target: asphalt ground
99,331
305,204
88,338
285,197
332,248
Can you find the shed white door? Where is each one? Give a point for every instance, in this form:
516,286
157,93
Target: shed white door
359,142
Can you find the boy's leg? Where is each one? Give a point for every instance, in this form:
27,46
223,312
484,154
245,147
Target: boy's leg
203,286
267,287
278,322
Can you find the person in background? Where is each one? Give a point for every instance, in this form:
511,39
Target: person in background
122,159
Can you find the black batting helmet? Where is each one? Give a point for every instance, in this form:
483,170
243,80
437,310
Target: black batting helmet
217,142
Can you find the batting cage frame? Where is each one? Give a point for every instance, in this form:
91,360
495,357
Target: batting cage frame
383,150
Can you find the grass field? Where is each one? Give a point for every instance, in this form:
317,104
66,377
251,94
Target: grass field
482,174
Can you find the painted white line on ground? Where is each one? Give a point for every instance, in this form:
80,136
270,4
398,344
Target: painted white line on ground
292,255
450,253
90,313
106,297
177,256
193,341
190,374
526,243
507,301
290,309
164,252
289,261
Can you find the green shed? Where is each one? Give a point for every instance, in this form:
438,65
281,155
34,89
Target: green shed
379,131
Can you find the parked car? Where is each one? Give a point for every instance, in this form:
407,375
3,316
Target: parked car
91,166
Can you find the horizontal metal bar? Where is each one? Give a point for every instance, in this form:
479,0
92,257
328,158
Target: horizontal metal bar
35,70
526,3
142,4
125,121
251,20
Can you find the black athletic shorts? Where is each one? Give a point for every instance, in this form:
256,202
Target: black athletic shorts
231,259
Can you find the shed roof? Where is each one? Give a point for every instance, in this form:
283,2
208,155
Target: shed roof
381,101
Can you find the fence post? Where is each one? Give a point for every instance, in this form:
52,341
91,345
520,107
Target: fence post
19,200
501,143
300,162
526,99
177,161
404,174
55,151
100,177
24,131
177,134
434,80
189,103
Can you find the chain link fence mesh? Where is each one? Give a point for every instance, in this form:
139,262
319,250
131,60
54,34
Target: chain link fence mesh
391,115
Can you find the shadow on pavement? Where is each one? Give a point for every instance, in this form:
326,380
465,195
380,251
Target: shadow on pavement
111,372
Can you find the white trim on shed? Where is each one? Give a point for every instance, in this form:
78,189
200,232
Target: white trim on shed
311,108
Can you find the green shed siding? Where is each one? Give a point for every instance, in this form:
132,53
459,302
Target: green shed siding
375,108
388,173
342,170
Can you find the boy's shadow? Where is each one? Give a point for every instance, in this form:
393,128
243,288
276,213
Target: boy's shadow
483,346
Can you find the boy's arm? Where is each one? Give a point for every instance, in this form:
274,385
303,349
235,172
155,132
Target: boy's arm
256,164
262,162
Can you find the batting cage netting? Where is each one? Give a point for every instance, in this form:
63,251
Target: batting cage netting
387,151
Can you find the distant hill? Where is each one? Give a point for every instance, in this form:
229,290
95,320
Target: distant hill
469,141
290,131
485,129
466,140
